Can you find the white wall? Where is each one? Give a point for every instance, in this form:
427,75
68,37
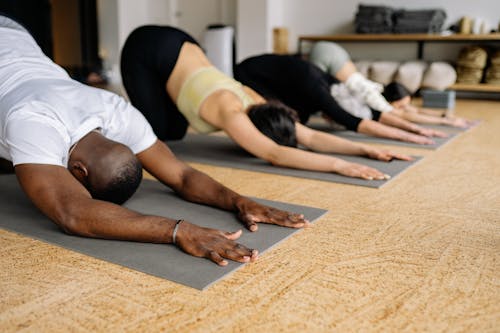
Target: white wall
255,20
117,18
252,30
317,17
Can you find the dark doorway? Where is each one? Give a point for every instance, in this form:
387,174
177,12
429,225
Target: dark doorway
35,16
66,31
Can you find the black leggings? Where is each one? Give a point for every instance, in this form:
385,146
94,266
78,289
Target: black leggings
147,60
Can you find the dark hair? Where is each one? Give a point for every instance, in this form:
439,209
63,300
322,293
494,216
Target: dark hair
276,121
395,91
122,185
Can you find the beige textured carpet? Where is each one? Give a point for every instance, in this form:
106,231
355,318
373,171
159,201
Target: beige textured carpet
421,254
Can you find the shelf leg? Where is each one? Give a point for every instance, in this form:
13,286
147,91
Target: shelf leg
420,50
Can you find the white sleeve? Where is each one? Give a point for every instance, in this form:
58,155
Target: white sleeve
32,141
140,135
127,125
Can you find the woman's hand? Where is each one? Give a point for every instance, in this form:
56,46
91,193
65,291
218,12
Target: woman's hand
458,122
415,138
430,132
213,244
385,155
359,171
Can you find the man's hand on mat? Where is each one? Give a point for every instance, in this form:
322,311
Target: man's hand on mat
386,155
358,171
251,213
213,244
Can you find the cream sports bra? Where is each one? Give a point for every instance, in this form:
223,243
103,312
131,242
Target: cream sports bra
198,87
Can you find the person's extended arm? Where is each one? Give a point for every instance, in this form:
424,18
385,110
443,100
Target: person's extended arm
374,128
394,119
239,127
428,116
329,106
196,186
417,117
327,143
64,200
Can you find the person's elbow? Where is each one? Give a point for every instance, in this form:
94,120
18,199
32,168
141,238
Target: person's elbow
72,224
363,126
274,156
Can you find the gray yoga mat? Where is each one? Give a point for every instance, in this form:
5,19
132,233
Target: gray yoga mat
222,151
17,214
354,136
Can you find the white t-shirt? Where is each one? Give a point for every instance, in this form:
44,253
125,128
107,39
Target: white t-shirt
43,112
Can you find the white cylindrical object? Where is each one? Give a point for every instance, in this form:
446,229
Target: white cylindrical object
476,25
218,45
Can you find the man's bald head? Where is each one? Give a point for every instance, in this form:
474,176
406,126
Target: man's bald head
109,170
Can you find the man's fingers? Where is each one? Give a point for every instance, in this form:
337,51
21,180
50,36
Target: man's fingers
233,235
250,222
277,217
215,257
291,220
234,251
252,226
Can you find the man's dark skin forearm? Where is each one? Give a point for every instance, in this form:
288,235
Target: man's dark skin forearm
60,196
64,200
197,187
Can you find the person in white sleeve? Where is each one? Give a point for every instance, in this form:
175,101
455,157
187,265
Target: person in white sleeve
78,153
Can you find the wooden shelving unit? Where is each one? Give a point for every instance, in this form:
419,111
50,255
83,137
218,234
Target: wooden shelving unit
481,87
420,39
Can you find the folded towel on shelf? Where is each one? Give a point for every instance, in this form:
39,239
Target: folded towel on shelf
373,19
384,19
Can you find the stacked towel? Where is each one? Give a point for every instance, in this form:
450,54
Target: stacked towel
470,64
373,19
384,19
419,21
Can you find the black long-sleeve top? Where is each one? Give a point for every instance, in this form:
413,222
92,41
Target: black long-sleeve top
296,83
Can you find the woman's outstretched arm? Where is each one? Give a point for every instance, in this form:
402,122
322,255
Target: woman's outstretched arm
428,116
328,143
239,127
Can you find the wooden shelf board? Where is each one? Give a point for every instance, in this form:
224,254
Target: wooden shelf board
403,37
481,87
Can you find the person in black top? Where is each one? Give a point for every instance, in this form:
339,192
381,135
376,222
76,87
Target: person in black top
305,88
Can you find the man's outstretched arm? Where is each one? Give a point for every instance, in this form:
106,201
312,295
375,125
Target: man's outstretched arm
64,200
197,187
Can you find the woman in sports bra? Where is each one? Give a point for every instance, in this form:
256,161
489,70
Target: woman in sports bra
170,80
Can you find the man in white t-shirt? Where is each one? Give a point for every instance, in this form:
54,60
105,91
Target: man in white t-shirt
78,153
